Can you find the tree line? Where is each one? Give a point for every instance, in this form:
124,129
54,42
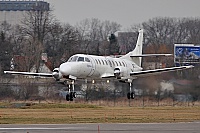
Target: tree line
40,32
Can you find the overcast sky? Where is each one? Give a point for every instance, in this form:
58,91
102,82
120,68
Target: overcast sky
124,12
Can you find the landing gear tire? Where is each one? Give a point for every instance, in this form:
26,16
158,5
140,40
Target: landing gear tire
67,97
74,94
70,97
130,95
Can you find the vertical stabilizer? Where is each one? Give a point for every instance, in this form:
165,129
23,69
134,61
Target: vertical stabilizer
136,51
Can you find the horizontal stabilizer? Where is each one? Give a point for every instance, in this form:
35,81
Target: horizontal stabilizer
151,55
157,71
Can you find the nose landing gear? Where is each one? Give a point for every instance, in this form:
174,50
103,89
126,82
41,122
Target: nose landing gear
71,95
130,94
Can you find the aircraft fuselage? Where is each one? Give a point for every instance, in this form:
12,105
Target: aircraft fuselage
91,66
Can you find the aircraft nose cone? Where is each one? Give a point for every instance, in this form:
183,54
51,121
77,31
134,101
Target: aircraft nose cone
65,69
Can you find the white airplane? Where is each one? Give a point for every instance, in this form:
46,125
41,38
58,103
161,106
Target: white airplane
125,68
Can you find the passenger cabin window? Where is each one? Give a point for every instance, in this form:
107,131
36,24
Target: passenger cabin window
106,62
96,61
113,63
102,62
116,63
123,64
110,63
99,61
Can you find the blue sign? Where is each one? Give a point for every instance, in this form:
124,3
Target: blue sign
186,55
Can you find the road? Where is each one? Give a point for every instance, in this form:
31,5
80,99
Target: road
193,127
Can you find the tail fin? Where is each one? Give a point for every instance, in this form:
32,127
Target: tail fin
136,51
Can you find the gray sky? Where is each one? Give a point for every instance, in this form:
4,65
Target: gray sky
124,12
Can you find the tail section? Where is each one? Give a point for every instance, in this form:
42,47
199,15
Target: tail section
136,51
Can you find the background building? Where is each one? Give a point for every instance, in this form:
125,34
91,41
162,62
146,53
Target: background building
14,11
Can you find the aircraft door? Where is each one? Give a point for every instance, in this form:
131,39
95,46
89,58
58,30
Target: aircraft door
93,67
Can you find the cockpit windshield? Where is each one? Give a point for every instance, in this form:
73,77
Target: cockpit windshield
72,59
78,59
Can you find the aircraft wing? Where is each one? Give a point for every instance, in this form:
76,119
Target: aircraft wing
29,73
157,71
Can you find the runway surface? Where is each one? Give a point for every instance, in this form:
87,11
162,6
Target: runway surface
193,127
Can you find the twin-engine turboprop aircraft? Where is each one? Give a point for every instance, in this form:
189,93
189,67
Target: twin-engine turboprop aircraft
125,68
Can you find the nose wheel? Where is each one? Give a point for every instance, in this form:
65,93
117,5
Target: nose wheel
130,94
71,95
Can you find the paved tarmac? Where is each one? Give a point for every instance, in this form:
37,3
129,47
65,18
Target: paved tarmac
193,127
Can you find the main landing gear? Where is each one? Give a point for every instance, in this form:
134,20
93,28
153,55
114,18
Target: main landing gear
130,94
72,94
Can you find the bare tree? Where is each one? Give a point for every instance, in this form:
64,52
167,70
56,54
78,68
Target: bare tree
111,28
69,41
62,42
193,27
159,31
36,26
94,33
89,33
6,45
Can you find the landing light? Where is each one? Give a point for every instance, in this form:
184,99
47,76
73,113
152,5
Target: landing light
93,81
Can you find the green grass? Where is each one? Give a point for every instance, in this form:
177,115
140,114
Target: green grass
45,105
12,113
50,106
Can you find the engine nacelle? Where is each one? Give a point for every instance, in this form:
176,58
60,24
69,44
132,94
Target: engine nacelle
120,72
56,74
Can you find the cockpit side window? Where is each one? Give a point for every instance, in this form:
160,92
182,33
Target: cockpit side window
80,58
74,59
